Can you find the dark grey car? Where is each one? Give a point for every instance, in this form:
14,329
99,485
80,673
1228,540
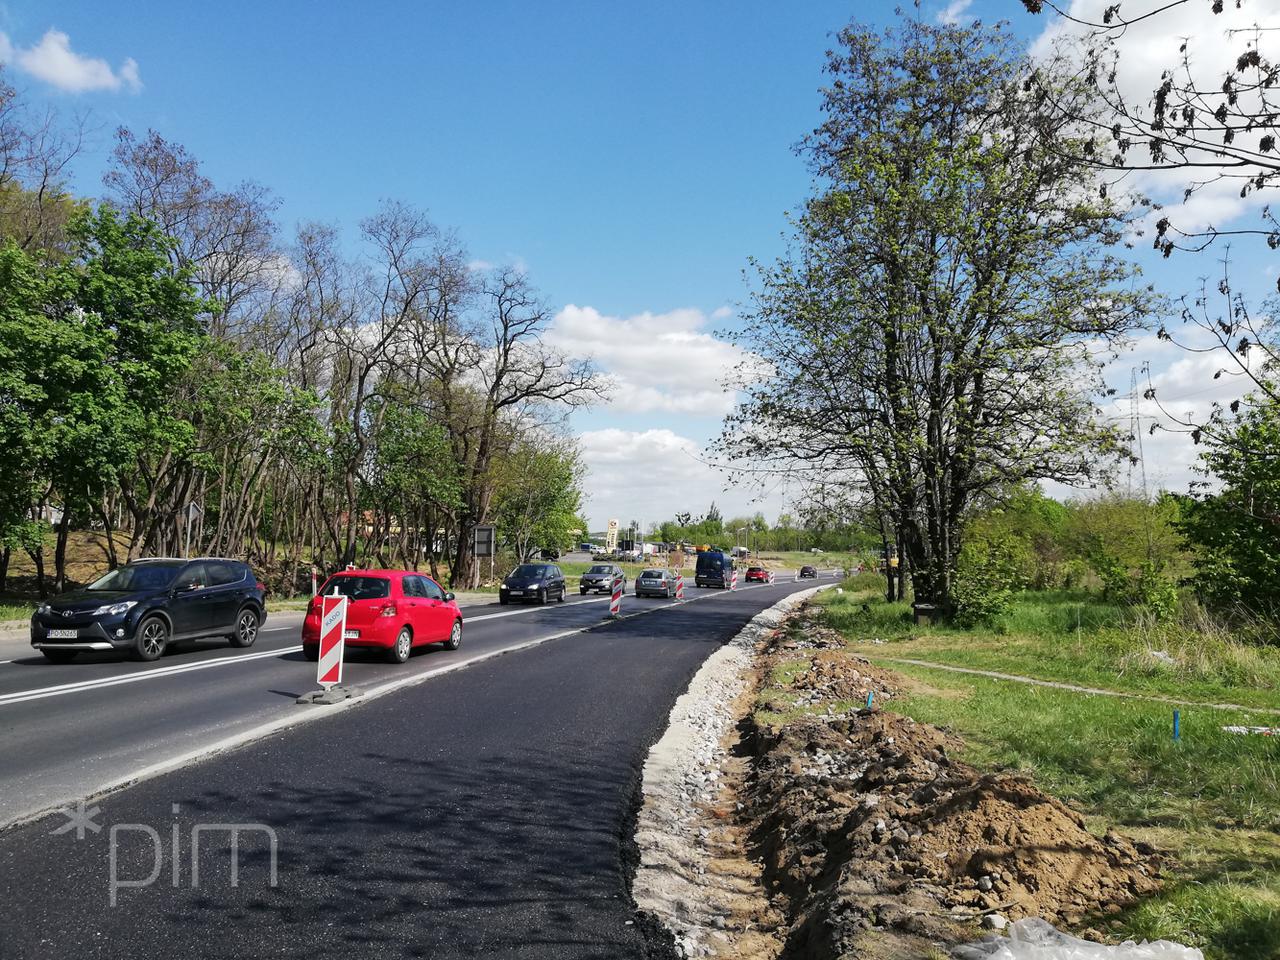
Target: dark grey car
599,579
656,583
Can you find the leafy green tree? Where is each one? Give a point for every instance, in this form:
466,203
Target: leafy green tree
935,336
25,328
1237,530
538,498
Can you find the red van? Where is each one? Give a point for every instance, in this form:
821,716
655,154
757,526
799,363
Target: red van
391,610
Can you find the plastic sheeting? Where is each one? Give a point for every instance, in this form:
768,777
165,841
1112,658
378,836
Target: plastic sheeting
1036,939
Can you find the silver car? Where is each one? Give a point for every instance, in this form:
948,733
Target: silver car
656,583
599,579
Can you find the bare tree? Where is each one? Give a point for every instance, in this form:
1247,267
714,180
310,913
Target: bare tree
1209,128
36,151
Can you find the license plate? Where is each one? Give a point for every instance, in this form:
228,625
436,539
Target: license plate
351,634
63,634
515,593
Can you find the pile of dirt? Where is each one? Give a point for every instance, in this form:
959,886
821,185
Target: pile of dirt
874,841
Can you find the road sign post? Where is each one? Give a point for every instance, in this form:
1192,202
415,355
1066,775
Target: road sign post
679,586
333,635
484,544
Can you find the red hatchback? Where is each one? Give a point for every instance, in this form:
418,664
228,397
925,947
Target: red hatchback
758,574
391,610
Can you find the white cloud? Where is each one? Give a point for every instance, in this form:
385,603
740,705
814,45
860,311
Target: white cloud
954,11
53,61
652,475
660,362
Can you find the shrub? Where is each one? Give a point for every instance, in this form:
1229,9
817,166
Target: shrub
987,576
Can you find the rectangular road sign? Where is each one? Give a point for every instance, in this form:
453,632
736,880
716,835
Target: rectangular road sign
485,541
333,633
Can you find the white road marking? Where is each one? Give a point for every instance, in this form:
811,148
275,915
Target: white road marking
19,696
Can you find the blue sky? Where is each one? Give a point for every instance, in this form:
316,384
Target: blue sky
633,157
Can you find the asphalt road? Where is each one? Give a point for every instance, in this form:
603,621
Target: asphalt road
485,810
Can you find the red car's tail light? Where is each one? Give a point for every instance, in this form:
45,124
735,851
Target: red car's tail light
388,610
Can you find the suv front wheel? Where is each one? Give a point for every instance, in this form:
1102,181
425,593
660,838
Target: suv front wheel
150,640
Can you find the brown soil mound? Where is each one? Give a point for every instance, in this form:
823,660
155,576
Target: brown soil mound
873,839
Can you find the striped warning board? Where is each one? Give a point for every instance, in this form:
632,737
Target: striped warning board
333,632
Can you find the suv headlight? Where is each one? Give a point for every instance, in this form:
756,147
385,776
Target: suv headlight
535,584
43,608
111,609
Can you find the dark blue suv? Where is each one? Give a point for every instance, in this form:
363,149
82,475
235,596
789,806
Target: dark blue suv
144,605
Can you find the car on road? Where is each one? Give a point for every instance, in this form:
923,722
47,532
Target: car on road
714,569
389,610
757,575
656,582
145,605
599,579
549,554
533,581
807,572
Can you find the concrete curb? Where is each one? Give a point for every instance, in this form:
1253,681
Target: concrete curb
680,776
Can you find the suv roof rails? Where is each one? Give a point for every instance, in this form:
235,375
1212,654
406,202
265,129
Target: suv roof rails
157,559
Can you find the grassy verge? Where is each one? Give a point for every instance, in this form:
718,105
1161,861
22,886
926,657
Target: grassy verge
1077,639
1210,800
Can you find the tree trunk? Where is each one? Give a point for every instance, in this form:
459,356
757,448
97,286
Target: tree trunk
60,550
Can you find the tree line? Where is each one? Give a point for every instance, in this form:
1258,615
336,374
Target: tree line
180,376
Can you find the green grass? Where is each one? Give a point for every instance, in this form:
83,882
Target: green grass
1210,800
1078,639
19,610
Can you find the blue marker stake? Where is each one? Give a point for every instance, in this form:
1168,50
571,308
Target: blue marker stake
870,696
1177,731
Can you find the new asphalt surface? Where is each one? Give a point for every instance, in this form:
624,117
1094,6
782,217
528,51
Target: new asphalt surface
486,811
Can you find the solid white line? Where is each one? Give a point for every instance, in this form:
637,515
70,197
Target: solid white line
40,693
308,714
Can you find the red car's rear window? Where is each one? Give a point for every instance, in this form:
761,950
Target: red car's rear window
359,588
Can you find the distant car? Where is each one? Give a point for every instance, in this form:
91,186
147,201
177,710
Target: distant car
714,569
389,610
807,572
549,554
533,581
143,606
599,579
656,583
757,574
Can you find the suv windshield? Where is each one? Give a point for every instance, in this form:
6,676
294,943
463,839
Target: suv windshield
359,588
601,568
142,576
529,570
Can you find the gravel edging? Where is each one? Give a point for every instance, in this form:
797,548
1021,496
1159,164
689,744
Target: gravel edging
680,780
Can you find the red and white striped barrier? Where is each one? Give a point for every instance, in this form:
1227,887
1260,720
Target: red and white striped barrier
733,579
679,586
615,600
333,634
772,576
